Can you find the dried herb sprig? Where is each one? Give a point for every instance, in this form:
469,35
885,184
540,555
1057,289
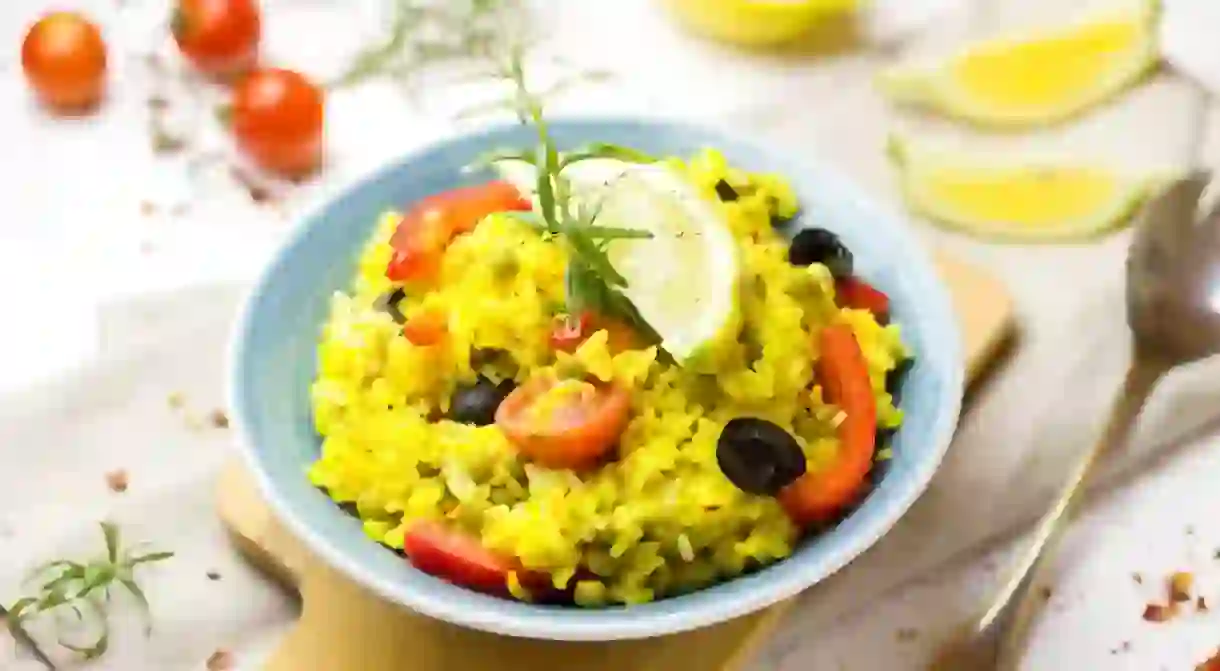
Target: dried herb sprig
84,589
425,33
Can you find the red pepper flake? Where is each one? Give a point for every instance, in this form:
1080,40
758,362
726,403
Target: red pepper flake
1155,612
221,660
1212,664
218,419
1180,584
258,192
117,481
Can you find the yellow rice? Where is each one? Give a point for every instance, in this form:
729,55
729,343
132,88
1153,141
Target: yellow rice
659,520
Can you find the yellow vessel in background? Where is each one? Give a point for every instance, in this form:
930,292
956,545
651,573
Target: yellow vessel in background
757,23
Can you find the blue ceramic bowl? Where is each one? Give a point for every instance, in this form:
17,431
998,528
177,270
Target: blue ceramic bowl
273,360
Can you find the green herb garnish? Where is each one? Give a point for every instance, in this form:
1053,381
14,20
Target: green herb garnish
592,282
84,590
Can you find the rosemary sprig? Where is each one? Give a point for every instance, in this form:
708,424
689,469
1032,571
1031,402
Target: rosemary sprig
429,32
591,282
84,589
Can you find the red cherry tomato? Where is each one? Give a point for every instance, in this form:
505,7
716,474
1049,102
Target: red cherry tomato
854,292
571,331
842,371
429,225
220,37
427,328
64,60
277,119
564,424
461,559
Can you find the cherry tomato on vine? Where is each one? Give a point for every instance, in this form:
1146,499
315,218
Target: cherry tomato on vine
277,119
219,37
64,60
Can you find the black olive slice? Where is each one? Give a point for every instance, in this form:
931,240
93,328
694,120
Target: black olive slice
759,457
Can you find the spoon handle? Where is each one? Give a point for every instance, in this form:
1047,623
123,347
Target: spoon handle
996,639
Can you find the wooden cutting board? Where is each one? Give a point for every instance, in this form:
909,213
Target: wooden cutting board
343,628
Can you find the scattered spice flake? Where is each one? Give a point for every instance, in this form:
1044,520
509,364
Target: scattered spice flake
1155,612
179,209
1180,584
1216,554
1045,593
157,103
213,575
221,660
148,208
1201,604
1212,664
176,399
907,634
1190,531
257,192
164,142
1139,579
194,422
218,419
1126,647
117,481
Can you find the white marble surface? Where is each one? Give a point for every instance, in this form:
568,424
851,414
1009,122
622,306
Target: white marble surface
75,232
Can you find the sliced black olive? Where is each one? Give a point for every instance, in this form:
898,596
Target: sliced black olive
725,191
758,456
388,303
818,245
476,403
896,376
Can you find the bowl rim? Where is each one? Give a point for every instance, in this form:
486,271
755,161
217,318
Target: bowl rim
633,622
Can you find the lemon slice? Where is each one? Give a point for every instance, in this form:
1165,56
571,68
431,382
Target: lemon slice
682,280
1017,200
1036,79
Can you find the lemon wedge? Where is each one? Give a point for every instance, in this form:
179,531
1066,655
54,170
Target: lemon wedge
757,23
682,280
1038,78
1017,200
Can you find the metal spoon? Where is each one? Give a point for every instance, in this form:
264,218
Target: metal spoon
1173,311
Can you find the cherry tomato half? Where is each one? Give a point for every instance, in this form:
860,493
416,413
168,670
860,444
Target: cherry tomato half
277,119
430,224
564,423
842,371
571,331
427,328
220,37
64,59
460,558
854,292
